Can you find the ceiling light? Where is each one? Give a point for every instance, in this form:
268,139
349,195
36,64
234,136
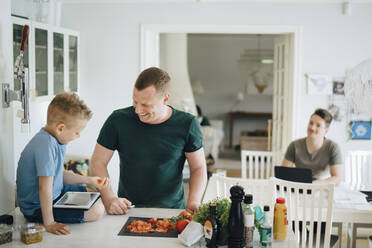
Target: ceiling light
267,61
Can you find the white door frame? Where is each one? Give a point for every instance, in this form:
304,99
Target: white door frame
149,52
7,164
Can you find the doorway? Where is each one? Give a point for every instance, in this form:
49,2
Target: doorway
288,109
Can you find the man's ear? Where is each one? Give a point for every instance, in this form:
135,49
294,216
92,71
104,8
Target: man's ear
166,98
60,127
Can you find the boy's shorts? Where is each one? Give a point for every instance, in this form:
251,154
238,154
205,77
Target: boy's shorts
60,214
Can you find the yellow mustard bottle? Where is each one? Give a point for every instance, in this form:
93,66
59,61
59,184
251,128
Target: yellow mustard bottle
280,219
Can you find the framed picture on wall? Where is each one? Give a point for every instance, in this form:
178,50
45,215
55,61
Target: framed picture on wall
338,87
360,130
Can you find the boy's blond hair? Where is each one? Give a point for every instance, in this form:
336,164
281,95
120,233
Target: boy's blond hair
66,108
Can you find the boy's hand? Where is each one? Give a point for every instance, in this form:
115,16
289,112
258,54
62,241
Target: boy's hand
58,228
99,183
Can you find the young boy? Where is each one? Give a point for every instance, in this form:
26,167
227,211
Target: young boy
41,178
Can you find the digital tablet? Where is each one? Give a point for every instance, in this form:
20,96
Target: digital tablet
77,200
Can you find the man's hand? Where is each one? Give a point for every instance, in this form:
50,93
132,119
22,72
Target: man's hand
192,206
58,228
117,206
99,183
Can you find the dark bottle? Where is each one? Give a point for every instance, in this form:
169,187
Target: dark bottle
211,227
236,218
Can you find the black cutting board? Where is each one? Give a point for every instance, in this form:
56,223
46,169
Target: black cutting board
125,232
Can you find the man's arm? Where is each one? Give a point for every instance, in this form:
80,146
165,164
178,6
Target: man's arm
287,163
99,162
336,171
46,204
198,179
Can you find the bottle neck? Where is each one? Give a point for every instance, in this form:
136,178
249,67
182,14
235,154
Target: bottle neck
266,221
248,206
213,213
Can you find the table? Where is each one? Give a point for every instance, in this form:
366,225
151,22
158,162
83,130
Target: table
351,216
103,233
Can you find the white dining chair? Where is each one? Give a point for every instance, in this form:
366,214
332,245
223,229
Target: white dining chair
261,189
311,204
358,170
259,164
358,176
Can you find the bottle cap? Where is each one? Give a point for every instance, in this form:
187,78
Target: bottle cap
266,208
248,199
280,200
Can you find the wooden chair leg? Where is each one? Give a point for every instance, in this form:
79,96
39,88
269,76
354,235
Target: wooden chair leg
348,237
339,232
354,236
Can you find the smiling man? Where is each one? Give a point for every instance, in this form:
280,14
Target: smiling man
153,141
316,152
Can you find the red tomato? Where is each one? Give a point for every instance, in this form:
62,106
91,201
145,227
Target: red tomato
181,224
99,180
185,214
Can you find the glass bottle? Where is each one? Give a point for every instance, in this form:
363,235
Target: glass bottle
210,227
266,229
280,219
248,220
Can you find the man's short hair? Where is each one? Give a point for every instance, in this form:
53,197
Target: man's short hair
325,115
66,108
153,76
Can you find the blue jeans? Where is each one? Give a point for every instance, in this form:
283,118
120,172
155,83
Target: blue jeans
60,214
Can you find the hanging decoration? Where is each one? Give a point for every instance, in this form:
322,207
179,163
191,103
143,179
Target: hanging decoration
256,70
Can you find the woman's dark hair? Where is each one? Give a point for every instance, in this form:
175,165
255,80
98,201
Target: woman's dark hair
325,115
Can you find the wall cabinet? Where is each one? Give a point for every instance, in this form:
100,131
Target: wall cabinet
52,56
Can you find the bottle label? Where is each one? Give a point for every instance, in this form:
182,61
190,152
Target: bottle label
208,230
248,220
266,236
285,217
249,236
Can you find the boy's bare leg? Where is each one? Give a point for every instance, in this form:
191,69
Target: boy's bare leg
95,212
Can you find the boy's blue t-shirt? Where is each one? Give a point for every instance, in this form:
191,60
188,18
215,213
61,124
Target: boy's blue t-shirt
42,156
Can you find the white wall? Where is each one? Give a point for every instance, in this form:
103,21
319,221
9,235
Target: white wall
40,11
7,176
110,51
173,59
213,59
332,43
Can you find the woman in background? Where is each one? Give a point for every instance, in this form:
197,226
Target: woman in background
315,152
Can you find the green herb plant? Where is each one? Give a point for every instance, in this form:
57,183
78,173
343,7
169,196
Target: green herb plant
223,210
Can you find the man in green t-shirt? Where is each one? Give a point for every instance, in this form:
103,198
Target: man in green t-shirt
153,141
